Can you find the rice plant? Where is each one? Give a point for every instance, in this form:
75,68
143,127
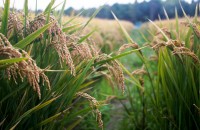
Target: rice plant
49,68
165,91
45,72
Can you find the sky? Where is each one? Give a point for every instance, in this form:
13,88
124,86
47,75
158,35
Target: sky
77,4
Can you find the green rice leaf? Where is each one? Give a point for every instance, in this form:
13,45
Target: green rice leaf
177,23
11,61
52,118
36,8
34,109
13,6
128,37
66,29
53,8
1,123
160,30
48,8
61,13
166,15
4,24
26,15
73,18
74,124
93,15
86,36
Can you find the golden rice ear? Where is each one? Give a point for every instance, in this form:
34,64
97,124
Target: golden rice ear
94,105
196,29
95,52
58,39
81,51
159,39
126,46
187,52
141,71
15,26
166,31
115,70
153,58
24,69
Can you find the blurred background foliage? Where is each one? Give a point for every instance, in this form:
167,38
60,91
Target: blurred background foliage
141,11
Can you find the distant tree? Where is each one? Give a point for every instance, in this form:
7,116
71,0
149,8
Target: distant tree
105,13
155,7
140,11
69,11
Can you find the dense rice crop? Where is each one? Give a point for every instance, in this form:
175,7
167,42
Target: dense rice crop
45,72
54,74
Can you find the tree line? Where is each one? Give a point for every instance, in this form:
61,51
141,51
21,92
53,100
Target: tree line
140,11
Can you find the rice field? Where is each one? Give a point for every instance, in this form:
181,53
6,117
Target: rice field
74,73
107,36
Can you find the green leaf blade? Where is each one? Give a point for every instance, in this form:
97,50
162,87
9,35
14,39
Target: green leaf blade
4,24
